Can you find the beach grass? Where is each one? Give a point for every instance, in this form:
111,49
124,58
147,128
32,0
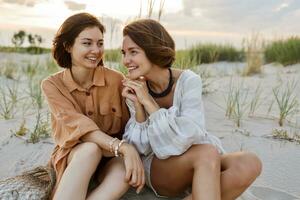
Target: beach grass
25,50
284,51
236,101
286,99
208,53
253,47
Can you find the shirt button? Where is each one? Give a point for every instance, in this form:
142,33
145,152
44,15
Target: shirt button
113,109
90,113
87,93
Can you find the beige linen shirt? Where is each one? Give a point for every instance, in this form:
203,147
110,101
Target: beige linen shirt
76,111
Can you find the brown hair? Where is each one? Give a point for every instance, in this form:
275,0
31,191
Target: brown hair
66,34
154,39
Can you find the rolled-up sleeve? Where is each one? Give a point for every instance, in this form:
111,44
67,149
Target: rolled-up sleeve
68,124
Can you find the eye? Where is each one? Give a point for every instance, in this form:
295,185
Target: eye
100,44
133,52
87,43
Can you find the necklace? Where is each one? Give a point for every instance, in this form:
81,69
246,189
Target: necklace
166,91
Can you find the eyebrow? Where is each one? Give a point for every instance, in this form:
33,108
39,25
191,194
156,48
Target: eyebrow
130,48
89,39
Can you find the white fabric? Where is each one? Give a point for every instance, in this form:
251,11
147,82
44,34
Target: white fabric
169,132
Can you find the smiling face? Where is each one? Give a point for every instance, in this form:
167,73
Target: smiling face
87,50
135,59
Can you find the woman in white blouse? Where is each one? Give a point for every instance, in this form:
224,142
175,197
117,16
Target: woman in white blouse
167,123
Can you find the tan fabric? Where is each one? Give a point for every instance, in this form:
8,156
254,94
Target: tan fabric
76,111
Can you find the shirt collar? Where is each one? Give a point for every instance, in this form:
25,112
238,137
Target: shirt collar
71,85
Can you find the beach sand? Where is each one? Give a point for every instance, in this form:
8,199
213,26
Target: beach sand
281,158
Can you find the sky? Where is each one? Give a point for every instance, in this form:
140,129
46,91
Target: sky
188,21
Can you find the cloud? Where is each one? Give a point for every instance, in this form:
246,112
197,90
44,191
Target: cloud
29,3
235,15
220,21
75,6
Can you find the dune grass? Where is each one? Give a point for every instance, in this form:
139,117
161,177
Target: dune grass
284,51
9,70
253,47
286,99
41,129
255,101
236,102
208,53
26,50
9,98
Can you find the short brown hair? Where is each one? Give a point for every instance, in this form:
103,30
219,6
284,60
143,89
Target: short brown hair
67,33
154,39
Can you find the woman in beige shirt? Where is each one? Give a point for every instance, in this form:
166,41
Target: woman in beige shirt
88,116
167,123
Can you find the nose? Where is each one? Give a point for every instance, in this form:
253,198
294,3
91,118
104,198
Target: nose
96,49
126,60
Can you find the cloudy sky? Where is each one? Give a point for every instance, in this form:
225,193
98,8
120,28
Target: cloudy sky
189,21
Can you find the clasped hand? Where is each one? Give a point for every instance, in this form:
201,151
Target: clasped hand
136,91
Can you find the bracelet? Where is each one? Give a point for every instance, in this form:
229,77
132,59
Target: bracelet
117,153
111,144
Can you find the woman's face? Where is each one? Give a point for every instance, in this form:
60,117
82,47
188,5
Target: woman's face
135,59
87,50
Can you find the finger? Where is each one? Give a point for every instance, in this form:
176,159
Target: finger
128,174
141,175
138,178
142,172
132,86
125,91
139,189
133,180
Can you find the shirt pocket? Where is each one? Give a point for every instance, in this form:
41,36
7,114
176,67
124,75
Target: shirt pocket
110,119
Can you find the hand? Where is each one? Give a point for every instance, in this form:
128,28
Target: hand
135,174
129,93
137,88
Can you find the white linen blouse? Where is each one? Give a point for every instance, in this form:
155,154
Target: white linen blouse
170,132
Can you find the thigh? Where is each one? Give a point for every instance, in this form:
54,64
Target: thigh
171,176
243,167
239,160
174,175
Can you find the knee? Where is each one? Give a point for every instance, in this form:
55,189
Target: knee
88,151
205,155
246,170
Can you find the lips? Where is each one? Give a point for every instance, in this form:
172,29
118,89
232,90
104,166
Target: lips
131,68
92,59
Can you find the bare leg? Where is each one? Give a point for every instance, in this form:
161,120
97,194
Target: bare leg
82,163
199,166
112,179
239,170
172,176
188,197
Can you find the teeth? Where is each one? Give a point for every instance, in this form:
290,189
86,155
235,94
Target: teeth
131,68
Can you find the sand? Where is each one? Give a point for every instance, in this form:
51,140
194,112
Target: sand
281,158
